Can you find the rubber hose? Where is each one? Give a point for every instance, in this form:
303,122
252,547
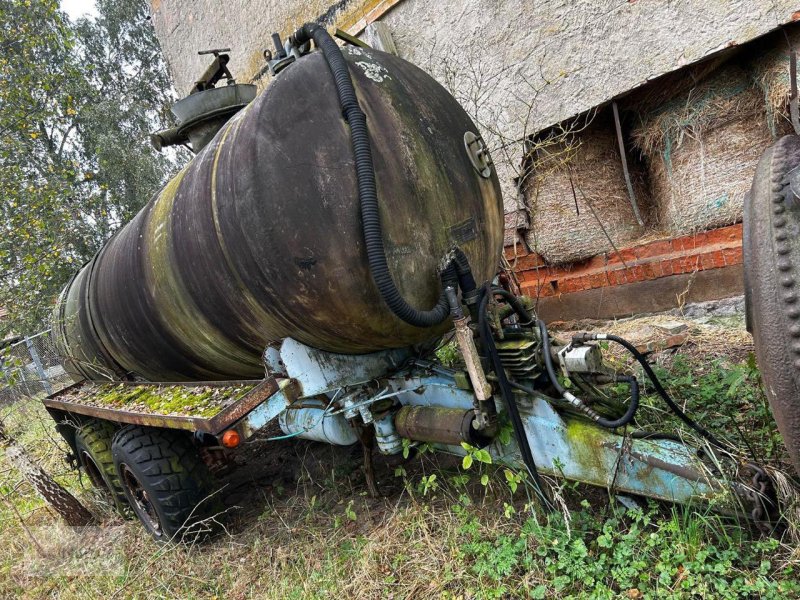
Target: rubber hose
367,188
663,393
466,280
633,406
511,402
622,421
548,359
515,304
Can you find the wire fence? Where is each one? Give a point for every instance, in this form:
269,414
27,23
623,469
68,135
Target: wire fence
31,368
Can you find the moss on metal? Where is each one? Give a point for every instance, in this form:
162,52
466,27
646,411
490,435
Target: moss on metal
173,400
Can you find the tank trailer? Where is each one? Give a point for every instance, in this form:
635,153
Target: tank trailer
303,268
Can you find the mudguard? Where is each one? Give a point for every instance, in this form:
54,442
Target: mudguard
771,249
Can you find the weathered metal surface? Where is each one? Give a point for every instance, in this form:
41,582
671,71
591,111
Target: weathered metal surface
320,372
437,425
128,417
575,449
214,425
316,423
259,237
260,416
771,247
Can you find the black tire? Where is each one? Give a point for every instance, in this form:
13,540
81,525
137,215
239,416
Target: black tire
93,445
166,482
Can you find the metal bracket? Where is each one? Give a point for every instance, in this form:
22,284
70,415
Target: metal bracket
478,154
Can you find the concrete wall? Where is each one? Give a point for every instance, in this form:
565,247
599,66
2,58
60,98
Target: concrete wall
516,66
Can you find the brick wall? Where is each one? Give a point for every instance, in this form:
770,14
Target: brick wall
715,254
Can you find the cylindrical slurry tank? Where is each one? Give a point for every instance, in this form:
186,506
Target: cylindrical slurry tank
259,236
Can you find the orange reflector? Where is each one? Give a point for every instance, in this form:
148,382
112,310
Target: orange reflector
231,438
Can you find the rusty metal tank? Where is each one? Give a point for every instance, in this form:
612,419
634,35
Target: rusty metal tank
259,237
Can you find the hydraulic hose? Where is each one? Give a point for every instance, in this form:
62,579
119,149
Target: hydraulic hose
368,192
515,304
633,405
466,280
625,419
640,358
511,402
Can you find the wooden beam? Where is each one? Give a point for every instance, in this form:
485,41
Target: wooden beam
379,37
371,11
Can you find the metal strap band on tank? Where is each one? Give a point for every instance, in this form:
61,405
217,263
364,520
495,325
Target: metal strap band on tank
88,307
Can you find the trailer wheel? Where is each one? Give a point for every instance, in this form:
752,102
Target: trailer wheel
771,249
165,481
93,445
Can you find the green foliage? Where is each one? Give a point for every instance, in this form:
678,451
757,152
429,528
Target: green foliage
428,484
725,398
638,554
77,101
449,354
320,539
473,454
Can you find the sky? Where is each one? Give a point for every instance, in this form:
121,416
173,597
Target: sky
78,8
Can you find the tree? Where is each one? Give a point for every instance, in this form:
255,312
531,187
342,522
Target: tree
77,101
64,503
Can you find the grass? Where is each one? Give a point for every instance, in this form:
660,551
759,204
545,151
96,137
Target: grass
308,529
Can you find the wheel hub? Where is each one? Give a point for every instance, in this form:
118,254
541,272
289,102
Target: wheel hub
141,501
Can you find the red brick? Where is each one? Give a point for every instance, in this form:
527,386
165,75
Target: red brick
682,244
529,261
636,273
648,272
724,234
566,286
661,258
508,252
656,248
707,260
616,276
628,255
597,262
544,291
679,265
732,256
673,341
685,264
598,280
658,271
719,259
700,239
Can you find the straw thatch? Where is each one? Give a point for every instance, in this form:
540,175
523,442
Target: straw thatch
575,191
769,70
701,149
514,222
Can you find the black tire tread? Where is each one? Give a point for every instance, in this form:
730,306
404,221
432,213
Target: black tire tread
95,436
169,464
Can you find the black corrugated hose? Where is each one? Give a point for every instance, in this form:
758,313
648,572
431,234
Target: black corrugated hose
368,193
